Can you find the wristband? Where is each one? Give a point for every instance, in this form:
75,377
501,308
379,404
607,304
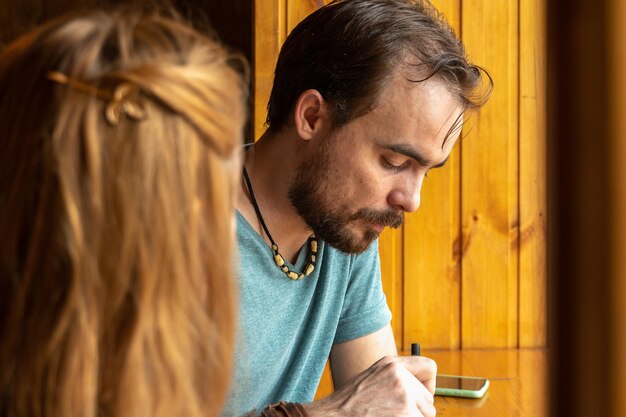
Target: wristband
284,409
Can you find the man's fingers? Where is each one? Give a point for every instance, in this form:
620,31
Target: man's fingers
392,386
423,368
427,410
424,399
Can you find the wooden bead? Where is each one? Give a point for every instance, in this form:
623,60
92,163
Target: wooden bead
279,260
292,275
314,246
313,258
309,269
285,269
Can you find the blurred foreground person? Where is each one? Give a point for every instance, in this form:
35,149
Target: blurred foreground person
121,135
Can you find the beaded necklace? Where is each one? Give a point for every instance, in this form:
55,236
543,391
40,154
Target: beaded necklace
278,258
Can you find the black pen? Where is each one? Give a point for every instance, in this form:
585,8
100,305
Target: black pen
415,349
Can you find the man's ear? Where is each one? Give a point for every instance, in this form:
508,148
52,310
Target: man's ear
310,114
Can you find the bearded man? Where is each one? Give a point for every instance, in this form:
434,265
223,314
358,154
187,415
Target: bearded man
368,96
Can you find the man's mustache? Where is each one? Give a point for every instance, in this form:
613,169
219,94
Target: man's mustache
391,218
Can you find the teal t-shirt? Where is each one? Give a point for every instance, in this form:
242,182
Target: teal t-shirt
287,328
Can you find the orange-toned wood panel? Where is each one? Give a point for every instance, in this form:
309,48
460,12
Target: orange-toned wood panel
269,34
533,173
431,249
489,182
390,247
486,286
297,11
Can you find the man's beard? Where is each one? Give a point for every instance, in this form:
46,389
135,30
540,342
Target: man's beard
329,220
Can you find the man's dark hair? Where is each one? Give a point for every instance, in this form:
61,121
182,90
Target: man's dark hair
349,49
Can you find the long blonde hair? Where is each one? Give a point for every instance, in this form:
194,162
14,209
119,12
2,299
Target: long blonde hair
116,233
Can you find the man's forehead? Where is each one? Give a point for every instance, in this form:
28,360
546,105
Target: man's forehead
420,108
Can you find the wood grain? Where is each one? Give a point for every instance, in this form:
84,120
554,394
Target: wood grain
489,182
431,250
269,34
518,382
468,269
533,174
391,260
297,10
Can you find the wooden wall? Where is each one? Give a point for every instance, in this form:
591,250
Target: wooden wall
468,270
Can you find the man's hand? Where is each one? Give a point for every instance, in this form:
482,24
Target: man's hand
399,386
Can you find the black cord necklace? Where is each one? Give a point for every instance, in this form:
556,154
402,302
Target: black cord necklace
278,258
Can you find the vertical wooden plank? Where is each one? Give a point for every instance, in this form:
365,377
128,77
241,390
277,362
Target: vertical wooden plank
533,386
617,29
390,249
431,241
452,12
532,245
269,34
273,20
297,10
489,182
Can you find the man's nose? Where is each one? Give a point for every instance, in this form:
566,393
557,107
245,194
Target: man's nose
407,198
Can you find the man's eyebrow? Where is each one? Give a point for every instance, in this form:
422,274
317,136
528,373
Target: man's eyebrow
409,151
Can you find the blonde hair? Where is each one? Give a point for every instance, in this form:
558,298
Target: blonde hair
116,255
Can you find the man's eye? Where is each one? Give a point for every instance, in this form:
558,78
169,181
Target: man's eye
391,166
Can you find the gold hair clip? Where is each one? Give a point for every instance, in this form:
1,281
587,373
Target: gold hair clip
124,99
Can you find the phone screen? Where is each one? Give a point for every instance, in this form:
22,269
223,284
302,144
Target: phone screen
459,383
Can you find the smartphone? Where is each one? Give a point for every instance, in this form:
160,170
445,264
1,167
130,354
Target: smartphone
461,386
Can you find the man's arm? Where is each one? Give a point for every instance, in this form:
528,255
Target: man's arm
370,378
350,358
400,386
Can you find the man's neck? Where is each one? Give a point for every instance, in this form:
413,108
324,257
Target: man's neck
271,164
